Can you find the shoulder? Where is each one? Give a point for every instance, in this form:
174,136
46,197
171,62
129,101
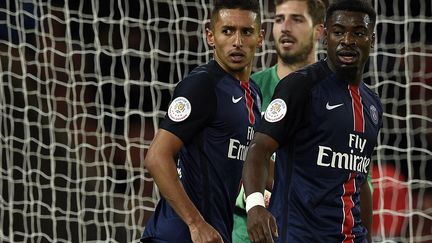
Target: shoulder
209,71
306,77
266,79
265,75
372,94
203,76
365,88
316,71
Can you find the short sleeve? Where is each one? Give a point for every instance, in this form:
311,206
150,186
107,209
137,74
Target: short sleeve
190,108
287,110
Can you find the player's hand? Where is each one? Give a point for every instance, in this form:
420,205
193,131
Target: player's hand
203,232
261,225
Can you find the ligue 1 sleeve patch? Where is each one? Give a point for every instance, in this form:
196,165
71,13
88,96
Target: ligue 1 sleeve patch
179,109
275,111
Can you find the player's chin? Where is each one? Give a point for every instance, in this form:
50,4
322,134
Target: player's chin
347,66
237,68
347,70
239,65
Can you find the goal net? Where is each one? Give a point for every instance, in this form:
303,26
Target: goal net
84,85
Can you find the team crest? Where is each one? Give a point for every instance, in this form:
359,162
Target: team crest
275,111
374,114
179,109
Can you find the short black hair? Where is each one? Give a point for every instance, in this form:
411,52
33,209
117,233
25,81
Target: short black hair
363,6
316,9
250,5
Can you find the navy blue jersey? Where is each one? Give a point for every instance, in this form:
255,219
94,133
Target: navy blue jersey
327,131
214,115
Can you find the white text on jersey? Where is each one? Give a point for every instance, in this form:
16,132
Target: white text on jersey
349,161
236,150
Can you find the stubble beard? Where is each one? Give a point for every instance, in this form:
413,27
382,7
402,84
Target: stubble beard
300,56
348,73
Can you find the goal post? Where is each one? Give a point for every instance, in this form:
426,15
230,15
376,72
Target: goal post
84,85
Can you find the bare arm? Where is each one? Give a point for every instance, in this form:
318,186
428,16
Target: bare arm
260,223
270,177
161,165
257,168
366,208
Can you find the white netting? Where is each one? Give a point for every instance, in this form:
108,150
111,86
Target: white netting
84,84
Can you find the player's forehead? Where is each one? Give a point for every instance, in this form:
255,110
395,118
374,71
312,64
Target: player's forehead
292,8
345,18
236,18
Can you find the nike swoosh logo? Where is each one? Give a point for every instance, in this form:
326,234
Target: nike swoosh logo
234,100
331,107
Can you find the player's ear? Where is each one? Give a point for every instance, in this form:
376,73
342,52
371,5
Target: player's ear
324,37
373,40
210,38
260,38
319,31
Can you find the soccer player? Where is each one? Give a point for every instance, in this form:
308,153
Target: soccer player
324,122
297,27
197,155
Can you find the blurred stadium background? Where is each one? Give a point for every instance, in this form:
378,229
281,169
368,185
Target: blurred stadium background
85,83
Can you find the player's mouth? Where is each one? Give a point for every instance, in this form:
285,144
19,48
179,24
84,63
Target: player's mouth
286,41
237,56
347,56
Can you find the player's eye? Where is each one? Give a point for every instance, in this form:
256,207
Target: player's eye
298,20
337,33
227,31
360,34
247,32
278,20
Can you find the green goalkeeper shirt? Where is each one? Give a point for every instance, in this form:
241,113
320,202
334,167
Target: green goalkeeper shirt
267,80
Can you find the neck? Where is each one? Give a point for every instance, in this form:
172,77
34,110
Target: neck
244,74
241,74
283,69
352,75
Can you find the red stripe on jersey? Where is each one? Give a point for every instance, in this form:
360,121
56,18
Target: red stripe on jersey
249,101
348,204
357,108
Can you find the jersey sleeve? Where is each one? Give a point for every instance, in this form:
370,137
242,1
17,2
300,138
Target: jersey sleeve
287,111
191,107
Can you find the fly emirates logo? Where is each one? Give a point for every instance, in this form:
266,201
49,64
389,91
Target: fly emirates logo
350,161
236,150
